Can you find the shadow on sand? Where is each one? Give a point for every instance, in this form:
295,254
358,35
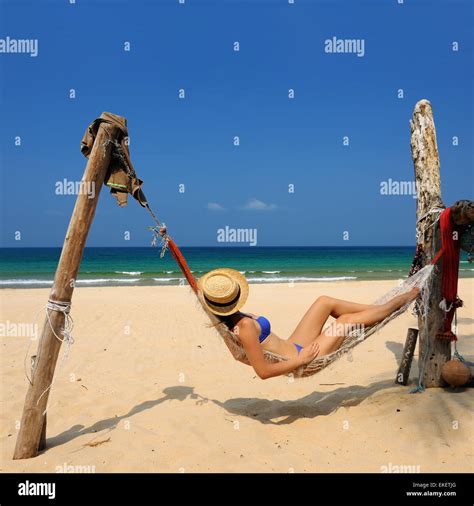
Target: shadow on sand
397,350
265,411
310,406
177,393
262,410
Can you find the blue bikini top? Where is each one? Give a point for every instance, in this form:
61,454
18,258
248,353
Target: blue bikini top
264,326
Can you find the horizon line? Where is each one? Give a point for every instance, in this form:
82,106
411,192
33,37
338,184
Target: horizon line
230,247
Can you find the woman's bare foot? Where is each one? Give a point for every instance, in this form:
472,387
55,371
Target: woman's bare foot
411,295
404,298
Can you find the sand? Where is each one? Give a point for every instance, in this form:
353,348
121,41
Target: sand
148,387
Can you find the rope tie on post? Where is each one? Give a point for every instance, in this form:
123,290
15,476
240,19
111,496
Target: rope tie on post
421,233
65,308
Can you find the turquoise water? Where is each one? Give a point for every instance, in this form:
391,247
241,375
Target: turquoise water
35,267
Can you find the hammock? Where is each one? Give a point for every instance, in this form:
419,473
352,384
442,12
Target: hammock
418,280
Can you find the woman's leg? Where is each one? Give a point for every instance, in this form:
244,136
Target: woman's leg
311,325
332,337
340,307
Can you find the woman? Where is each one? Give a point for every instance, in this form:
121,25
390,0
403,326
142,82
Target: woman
224,292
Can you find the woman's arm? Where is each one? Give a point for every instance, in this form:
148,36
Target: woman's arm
248,336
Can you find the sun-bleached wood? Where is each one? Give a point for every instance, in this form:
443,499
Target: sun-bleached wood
425,156
33,420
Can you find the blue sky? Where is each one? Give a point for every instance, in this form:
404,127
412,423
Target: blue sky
229,93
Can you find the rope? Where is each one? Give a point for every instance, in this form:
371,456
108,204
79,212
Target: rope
432,210
168,243
65,308
160,231
421,232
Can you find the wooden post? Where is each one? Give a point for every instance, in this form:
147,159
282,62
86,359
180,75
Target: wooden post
407,357
42,443
32,421
425,156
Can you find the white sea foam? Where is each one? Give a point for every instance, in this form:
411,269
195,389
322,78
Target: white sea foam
131,273
284,279
20,282
271,272
106,280
25,282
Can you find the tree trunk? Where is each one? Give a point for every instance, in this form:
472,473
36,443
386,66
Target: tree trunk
426,162
33,419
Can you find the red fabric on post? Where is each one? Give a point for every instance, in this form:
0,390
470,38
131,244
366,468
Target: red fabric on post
451,250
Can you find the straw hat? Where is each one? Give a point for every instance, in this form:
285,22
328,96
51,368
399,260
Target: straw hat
224,291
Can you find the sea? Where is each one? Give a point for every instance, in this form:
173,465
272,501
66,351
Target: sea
35,267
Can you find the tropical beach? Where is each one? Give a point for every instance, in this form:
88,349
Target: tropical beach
149,386
236,252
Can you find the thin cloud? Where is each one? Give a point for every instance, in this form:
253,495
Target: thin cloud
213,206
258,205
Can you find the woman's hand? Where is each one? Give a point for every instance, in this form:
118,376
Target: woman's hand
308,353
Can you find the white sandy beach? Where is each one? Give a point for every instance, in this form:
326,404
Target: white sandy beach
149,387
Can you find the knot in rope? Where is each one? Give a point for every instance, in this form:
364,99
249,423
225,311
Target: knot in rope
160,232
65,308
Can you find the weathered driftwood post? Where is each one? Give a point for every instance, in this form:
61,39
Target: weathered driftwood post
407,357
425,156
32,421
